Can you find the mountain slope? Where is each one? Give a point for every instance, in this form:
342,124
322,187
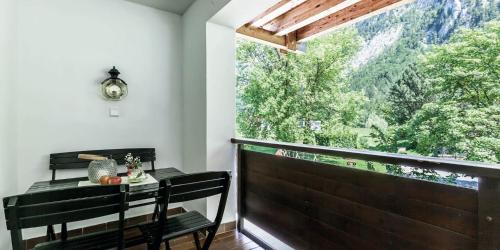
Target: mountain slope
394,40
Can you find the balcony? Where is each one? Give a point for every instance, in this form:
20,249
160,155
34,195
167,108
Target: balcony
313,205
178,59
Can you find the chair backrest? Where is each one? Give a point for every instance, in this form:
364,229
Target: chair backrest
64,205
69,160
192,187
199,185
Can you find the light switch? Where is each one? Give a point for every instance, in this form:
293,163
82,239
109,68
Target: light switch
114,112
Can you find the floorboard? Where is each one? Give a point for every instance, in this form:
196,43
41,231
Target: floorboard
225,241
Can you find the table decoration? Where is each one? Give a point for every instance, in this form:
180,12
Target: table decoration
135,172
110,180
99,166
124,180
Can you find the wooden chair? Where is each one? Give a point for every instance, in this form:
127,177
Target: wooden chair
68,205
186,188
69,160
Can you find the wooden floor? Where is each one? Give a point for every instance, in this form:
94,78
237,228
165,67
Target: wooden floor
226,241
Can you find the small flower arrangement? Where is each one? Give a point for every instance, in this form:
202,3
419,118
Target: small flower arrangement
134,168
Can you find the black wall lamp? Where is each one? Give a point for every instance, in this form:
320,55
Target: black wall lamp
114,88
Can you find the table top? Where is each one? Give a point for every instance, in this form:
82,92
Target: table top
158,174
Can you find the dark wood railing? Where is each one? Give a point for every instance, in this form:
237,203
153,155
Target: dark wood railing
314,205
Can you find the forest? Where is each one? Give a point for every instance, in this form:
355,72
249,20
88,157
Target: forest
405,81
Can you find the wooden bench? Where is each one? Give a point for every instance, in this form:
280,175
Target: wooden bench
69,160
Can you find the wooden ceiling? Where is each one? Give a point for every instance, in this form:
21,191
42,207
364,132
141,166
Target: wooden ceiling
290,22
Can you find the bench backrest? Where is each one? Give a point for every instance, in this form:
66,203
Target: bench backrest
69,160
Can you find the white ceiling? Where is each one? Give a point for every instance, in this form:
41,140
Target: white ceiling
239,12
175,6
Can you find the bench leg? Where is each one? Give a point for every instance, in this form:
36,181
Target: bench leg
64,231
51,235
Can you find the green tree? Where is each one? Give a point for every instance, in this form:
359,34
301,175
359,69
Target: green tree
282,95
407,96
465,118
265,93
448,128
467,69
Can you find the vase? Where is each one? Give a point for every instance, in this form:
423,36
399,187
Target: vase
136,175
98,169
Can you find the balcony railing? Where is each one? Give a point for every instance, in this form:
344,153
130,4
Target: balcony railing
316,205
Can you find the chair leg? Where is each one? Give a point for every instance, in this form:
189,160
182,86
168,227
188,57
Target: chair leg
153,247
155,212
155,244
17,239
209,239
167,245
197,240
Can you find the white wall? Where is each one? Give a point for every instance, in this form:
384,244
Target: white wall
221,89
65,49
209,82
194,88
221,109
8,171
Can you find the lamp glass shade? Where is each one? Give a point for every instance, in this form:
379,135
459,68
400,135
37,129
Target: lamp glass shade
114,88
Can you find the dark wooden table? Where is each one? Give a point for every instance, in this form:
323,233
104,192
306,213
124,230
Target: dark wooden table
138,192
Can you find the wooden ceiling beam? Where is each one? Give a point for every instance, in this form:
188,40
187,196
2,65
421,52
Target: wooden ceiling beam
283,43
275,11
262,36
291,41
307,13
283,32
352,14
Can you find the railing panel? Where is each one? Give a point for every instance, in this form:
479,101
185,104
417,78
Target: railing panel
489,213
312,205
442,205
